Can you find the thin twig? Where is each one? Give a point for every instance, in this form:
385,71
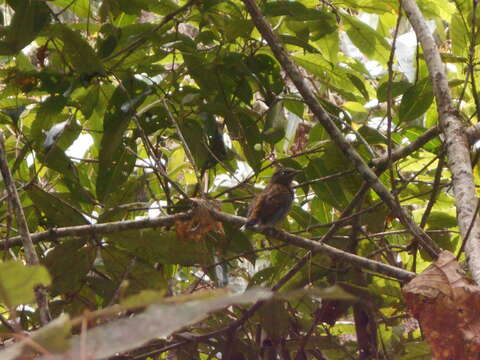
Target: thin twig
390,99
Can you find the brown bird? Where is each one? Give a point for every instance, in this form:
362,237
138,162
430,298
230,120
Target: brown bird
272,205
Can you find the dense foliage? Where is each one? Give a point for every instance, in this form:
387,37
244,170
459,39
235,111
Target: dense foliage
119,110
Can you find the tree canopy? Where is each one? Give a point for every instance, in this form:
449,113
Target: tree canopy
136,133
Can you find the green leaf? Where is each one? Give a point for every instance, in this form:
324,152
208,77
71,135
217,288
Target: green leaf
79,53
369,6
116,161
275,124
246,131
133,272
163,7
358,112
397,88
17,282
330,75
236,243
267,71
89,100
115,166
48,113
294,9
412,133
337,191
56,159
58,211
321,210
366,39
460,35
304,218
295,106
438,9
329,46
29,19
358,83
325,25
274,319
330,191
264,277
77,259
192,133
293,40
237,27
80,8
442,220
108,43
133,7
372,136
164,247
416,101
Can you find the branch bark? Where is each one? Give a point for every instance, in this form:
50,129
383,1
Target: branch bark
31,256
98,229
315,246
106,228
456,140
337,136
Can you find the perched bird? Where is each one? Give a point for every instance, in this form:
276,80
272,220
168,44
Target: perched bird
271,206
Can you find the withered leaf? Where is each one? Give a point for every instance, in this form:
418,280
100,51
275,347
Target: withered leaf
447,305
201,221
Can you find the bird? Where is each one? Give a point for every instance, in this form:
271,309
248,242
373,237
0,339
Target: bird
272,205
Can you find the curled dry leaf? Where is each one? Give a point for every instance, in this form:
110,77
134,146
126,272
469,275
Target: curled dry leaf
201,221
447,305
301,138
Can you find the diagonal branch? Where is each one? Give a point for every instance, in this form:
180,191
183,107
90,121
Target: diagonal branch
315,246
456,140
337,136
472,133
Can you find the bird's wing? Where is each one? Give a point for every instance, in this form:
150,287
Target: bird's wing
272,205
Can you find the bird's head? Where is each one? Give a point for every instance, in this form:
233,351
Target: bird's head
284,176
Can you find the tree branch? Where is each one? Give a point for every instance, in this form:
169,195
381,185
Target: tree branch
97,229
291,239
355,260
472,133
456,140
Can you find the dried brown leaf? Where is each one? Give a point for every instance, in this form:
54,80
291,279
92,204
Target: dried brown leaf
447,305
201,221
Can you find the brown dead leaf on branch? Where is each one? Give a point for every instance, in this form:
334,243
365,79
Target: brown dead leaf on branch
201,221
447,305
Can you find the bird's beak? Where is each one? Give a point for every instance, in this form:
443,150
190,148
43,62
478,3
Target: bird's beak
295,172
